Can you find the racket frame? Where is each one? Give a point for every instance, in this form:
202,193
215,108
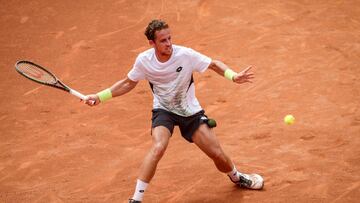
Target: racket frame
58,84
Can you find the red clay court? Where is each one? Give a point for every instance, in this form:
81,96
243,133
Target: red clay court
306,56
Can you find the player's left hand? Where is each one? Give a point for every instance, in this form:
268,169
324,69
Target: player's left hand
244,76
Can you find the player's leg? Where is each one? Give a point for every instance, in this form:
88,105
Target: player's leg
206,140
160,136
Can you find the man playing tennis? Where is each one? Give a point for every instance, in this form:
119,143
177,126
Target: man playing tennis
169,69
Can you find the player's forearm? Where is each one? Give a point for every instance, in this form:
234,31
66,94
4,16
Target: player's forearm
122,87
119,88
218,66
224,70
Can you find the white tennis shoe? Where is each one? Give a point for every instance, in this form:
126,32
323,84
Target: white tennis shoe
250,181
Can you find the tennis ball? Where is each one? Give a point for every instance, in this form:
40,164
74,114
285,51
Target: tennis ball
211,123
289,119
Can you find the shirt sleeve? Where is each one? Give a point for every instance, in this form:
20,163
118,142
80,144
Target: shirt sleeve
200,62
136,73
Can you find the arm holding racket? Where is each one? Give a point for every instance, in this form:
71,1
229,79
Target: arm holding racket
119,88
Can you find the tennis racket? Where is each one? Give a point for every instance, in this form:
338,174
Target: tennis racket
43,76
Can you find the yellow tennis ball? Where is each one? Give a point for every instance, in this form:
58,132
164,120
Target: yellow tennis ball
289,119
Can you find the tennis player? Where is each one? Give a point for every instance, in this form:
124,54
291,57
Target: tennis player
169,70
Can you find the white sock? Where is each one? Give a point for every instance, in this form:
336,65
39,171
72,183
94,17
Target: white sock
234,174
140,190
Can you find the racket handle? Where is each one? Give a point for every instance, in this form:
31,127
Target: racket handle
81,96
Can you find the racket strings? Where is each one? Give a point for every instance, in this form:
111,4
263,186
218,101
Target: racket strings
36,73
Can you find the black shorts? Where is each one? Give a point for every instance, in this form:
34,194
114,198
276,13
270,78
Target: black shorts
187,125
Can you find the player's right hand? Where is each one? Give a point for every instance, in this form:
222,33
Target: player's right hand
92,100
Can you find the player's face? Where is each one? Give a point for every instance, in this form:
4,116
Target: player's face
162,42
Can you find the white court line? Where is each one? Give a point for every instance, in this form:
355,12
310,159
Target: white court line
347,191
31,91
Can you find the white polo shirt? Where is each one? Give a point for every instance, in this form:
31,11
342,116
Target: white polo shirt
171,82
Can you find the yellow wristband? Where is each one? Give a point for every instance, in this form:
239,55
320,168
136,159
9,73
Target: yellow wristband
229,74
104,95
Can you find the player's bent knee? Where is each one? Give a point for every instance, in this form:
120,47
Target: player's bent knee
158,151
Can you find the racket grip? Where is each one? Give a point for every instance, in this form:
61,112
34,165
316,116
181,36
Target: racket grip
79,95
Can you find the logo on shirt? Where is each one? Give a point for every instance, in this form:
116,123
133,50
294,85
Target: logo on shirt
179,69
